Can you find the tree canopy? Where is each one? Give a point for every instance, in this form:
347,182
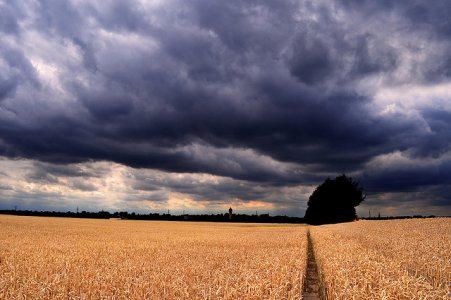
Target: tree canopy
334,201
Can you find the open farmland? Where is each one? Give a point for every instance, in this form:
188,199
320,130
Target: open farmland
58,258
396,259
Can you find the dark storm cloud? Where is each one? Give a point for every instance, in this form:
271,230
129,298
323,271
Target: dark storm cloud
422,19
227,189
252,90
71,175
51,174
68,170
408,178
437,143
422,13
16,69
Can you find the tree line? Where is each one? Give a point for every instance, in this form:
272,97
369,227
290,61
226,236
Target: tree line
124,215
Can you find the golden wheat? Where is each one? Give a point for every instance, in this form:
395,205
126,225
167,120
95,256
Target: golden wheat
58,258
396,259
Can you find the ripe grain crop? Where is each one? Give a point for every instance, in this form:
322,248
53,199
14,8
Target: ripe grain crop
59,258
390,259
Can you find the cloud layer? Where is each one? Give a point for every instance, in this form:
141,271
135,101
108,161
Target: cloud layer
266,97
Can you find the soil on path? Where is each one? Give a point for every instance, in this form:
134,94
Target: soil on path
311,282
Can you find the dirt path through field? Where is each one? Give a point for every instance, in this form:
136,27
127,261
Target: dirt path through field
311,283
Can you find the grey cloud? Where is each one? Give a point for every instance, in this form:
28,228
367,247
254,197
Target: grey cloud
82,185
225,190
311,62
67,170
42,177
16,69
54,16
10,12
76,176
154,197
179,109
219,190
7,87
430,23
5,187
194,87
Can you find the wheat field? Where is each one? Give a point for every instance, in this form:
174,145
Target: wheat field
59,258
393,259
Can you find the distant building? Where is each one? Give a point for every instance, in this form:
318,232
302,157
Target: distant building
230,213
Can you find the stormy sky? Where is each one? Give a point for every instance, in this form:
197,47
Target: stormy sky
200,105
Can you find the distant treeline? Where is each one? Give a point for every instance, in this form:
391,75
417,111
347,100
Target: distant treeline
399,217
68,214
262,218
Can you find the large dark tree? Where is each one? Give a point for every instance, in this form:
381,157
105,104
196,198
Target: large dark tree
334,201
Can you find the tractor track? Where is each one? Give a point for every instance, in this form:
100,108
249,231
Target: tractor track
312,281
